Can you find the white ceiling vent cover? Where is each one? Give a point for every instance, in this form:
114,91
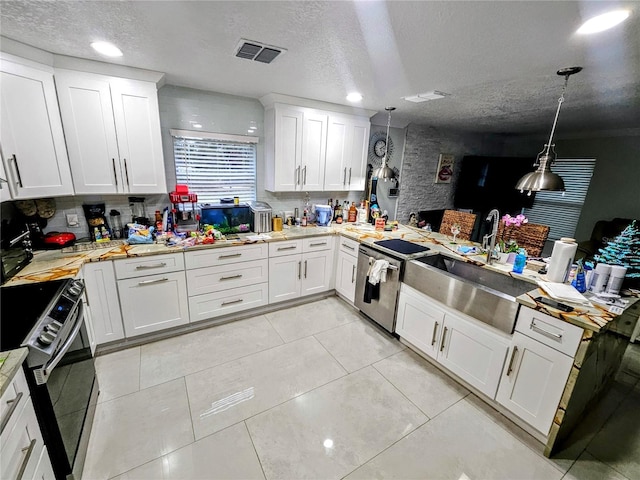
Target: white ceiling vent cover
257,51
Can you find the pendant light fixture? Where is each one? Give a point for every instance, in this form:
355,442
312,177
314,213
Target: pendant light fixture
543,178
385,172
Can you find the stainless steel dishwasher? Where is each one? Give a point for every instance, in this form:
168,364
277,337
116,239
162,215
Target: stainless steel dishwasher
382,310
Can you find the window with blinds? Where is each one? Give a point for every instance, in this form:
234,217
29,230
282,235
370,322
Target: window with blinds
216,166
559,210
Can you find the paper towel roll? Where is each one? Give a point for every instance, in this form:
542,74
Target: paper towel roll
561,259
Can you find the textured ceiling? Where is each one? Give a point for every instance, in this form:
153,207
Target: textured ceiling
496,59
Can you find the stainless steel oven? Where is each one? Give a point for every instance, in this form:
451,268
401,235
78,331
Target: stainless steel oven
48,318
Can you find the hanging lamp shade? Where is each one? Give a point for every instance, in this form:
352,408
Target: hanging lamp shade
384,172
543,179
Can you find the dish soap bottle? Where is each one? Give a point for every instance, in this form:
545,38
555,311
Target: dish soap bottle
520,261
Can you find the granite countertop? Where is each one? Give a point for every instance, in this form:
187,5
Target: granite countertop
10,363
53,265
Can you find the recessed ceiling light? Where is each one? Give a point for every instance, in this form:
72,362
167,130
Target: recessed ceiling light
354,97
197,125
603,22
250,131
106,48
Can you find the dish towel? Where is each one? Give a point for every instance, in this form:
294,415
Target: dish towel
375,275
377,271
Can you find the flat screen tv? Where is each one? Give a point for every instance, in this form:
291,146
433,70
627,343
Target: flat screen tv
489,182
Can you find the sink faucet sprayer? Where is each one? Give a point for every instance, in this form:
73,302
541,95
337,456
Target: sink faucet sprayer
494,216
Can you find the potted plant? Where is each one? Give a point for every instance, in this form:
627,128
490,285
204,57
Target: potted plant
509,248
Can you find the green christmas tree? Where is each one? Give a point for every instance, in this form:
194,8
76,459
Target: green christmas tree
624,250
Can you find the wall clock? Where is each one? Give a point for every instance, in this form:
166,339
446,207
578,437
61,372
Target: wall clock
377,144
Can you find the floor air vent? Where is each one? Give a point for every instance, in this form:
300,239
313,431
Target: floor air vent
258,51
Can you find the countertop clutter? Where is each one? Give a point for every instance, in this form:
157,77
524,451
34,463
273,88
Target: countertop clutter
52,265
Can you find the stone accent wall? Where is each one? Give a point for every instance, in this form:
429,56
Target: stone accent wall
418,190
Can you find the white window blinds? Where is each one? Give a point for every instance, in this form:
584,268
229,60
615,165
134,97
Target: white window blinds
216,166
562,211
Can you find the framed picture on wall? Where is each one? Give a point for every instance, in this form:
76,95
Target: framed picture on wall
444,172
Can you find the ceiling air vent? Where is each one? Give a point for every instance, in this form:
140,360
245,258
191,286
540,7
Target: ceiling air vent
257,51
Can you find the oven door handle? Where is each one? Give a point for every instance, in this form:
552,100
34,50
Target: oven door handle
42,374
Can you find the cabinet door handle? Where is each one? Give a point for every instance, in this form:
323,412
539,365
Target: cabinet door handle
536,328
305,269
15,161
304,175
155,265
299,266
126,171
353,273
513,356
231,255
298,175
115,176
12,407
157,280
231,302
25,461
317,244
292,247
349,176
348,247
444,334
232,277
344,180
433,337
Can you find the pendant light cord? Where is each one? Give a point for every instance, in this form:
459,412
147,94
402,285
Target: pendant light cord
386,145
555,120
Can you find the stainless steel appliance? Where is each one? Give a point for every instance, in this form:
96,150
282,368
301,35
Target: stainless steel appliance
261,217
382,308
48,318
16,253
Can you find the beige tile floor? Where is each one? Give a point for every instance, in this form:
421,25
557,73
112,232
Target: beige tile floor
318,392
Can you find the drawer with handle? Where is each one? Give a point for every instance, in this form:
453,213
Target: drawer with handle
12,401
349,246
288,247
549,330
210,305
225,277
317,243
150,265
225,255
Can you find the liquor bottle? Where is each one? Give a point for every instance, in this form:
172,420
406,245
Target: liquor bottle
353,213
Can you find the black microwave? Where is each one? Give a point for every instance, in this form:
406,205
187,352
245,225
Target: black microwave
15,254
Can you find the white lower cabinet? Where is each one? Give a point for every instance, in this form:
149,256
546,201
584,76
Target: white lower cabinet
22,443
215,304
472,352
419,321
44,470
153,302
347,268
300,274
533,381
103,303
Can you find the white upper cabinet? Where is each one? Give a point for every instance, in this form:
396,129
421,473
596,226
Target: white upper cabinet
33,147
112,127
347,145
5,194
313,150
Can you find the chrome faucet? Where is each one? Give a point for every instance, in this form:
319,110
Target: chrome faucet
494,216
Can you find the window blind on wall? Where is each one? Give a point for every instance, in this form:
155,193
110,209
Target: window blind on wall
562,211
216,166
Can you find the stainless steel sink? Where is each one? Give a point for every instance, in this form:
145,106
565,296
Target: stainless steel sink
471,289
